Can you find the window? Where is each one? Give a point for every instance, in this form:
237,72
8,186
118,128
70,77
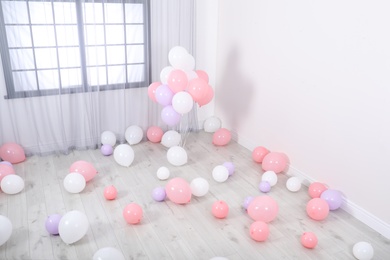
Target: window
68,46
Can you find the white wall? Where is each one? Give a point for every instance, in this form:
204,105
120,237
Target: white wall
311,79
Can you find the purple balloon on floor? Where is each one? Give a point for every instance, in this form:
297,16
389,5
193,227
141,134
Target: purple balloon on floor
106,149
334,198
159,194
230,167
52,223
264,186
247,201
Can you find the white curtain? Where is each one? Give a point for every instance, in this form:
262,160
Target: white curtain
62,122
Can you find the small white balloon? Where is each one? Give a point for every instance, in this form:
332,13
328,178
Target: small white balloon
164,74
220,173
108,253
124,155
363,251
271,177
171,138
199,186
212,124
108,137
12,184
293,184
182,102
134,134
5,229
73,226
177,156
176,56
74,182
163,173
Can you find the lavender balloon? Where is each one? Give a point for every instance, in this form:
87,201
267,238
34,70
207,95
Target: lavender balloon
52,223
230,167
264,186
164,95
106,149
247,201
7,163
333,198
159,194
170,116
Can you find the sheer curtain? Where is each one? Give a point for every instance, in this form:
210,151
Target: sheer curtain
74,117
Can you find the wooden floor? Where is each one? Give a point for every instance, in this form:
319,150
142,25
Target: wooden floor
170,231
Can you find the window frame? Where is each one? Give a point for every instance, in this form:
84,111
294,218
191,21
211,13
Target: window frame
84,87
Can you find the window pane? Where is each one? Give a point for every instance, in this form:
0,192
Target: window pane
65,13
116,74
41,13
21,59
25,81
48,79
134,13
43,36
97,76
135,54
69,57
136,73
67,35
115,34
115,54
70,78
46,58
94,35
134,33
15,12
18,36
93,13
113,12
95,56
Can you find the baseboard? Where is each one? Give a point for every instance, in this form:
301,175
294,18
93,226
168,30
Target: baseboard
356,211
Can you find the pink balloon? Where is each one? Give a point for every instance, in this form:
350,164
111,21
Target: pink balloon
221,137
84,168
110,192
203,75
133,213
154,134
177,80
220,209
316,189
207,97
178,191
263,208
169,116
259,153
259,231
5,170
309,240
317,209
197,89
12,153
152,90
274,161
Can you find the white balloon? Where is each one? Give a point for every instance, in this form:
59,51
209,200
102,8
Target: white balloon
176,56
220,173
5,229
108,253
124,155
164,74
182,102
188,63
73,226
163,173
293,184
177,156
74,182
212,124
271,177
134,134
108,137
363,251
12,184
171,138
199,187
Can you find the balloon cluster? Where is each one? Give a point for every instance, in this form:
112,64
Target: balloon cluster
80,172
10,183
180,86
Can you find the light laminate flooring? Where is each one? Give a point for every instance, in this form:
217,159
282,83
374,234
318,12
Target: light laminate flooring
168,230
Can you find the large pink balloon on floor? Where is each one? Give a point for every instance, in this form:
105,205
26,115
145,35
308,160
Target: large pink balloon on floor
178,191
133,213
84,168
317,209
316,189
259,231
154,134
274,161
259,153
5,170
12,153
222,137
263,208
